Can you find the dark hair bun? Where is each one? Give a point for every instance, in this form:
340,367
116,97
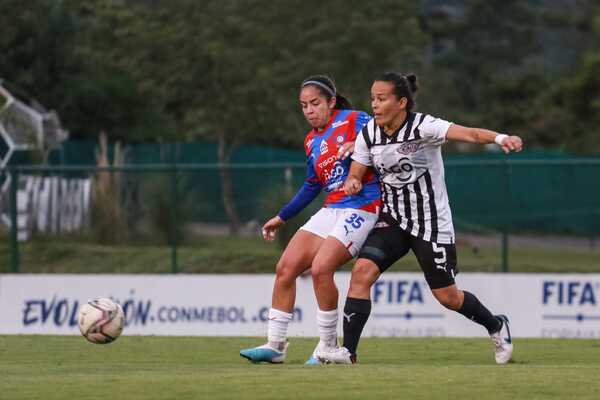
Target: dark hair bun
404,86
412,82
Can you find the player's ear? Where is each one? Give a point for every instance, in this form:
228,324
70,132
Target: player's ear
331,103
403,102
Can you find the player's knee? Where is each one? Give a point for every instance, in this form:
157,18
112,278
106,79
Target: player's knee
364,275
321,273
285,272
448,298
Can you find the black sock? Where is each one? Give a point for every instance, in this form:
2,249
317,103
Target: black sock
475,311
356,314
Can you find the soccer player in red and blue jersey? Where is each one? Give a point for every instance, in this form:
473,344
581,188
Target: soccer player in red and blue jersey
334,234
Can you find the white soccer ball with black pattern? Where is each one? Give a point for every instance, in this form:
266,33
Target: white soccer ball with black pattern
101,320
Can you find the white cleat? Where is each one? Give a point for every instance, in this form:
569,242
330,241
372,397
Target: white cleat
335,355
502,340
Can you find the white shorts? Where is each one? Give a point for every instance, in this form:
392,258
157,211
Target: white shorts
348,225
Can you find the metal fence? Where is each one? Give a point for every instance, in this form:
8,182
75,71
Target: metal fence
523,215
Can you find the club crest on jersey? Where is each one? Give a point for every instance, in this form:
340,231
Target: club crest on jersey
337,124
323,149
409,148
339,139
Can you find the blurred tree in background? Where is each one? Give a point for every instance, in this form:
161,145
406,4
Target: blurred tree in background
485,67
567,111
228,71
50,51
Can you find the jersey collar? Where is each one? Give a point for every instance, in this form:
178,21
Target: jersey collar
394,136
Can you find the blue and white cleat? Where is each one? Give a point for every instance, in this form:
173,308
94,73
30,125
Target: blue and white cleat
265,353
313,360
503,346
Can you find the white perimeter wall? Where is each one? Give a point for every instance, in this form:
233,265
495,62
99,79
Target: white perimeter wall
538,305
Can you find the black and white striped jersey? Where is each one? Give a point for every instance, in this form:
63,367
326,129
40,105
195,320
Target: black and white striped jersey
411,172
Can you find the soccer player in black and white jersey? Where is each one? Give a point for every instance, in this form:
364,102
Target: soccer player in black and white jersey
405,148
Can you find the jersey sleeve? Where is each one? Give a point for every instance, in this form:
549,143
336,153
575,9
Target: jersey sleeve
434,129
307,143
362,118
361,150
309,190
358,119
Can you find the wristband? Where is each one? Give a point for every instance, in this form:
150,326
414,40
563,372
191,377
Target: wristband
500,138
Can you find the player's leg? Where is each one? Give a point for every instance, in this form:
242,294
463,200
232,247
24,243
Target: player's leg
346,238
438,262
296,258
358,301
383,247
331,255
468,304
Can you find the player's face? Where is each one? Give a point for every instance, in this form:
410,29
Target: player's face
387,108
315,107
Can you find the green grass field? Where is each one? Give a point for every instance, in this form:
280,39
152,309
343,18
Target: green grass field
52,367
249,255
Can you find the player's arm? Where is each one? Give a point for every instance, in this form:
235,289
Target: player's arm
353,183
307,193
484,136
361,161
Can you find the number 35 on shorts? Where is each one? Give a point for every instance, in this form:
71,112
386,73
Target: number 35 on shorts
355,220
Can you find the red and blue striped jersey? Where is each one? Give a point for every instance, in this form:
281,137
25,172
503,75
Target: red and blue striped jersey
326,172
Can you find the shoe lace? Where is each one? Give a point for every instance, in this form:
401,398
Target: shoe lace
337,351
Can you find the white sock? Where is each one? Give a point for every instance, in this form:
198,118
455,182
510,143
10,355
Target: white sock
278,325
327,322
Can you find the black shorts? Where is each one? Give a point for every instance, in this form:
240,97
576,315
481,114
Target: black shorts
384,246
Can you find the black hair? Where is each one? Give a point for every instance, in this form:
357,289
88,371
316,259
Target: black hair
326,86
404,86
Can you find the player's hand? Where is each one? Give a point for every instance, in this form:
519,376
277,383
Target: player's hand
512,143
345,150
352,185
270,228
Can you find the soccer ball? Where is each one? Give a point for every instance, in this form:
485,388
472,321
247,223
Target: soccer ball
101,320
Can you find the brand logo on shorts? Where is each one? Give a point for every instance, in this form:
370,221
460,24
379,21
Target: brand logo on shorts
348,231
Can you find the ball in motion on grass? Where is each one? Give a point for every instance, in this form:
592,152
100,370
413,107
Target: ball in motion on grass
101,320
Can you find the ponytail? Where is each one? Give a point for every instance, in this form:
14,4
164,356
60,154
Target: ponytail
342,103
